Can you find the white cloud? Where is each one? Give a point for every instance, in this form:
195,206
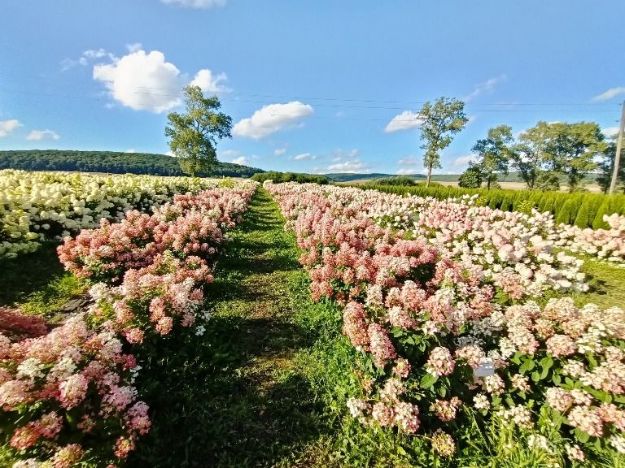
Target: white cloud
404,121
147,81
609,94
351,165
8,126
38,135
131,150
88,56
235,156
279,151
242,160
485,87
407,171
409,165
610,132
304,157
209,83
340,154
271,118
409,161
134,46
464,160
142,81
195,3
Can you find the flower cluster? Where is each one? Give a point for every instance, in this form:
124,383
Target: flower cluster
607,244
433,333
191,225
38,206
76,383
74,380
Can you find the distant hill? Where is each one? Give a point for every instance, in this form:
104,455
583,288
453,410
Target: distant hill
350,176
109,161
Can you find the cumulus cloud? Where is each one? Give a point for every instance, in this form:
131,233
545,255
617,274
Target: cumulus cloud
485,87
235,156
242,160
409,161
409,165
8,126
609,94
142,81
404,121
407,171
210,83
147,81
87,57
304,157
352,165
279,151
341,154
198,4
610,132
464,160
271,118
38,135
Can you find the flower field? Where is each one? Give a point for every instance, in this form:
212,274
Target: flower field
416,322
445,303
39,206
68,395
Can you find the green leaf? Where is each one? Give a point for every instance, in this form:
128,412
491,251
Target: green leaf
582,436
428,380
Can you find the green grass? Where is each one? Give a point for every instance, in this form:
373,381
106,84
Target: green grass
267,383
38,285
236,396
607,284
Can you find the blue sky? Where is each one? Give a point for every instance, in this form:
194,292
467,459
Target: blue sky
311,86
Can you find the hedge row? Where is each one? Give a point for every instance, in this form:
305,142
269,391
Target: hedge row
581,209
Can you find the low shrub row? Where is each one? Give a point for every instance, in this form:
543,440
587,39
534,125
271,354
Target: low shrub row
279,177
579,209
443,355
69,396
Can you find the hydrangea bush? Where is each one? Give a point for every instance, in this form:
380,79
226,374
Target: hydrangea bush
443,342
69,396
39,206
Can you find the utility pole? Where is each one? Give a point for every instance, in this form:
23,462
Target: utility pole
619,147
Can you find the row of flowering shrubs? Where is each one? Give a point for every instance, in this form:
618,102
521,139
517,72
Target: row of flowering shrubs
38,206
582,209
69,396
442,344
458,224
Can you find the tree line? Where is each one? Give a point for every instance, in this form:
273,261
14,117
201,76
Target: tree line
111,162
544,156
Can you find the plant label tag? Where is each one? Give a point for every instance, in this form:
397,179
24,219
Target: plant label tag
485,369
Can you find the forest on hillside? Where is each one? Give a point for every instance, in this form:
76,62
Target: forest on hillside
109,162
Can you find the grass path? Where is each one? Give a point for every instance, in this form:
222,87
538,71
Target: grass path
245,401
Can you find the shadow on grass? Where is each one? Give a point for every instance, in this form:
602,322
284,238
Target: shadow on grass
22,276
233,396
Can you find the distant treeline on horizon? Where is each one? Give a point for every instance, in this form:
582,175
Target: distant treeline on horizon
109,162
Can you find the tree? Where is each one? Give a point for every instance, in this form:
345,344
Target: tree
529,156
548,151
573,148
494,151
194,134
441,120
472,177
606,167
